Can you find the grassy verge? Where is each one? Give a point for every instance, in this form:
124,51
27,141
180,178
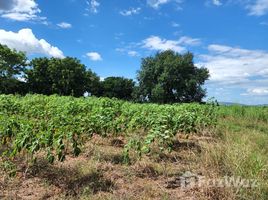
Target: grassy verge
242,150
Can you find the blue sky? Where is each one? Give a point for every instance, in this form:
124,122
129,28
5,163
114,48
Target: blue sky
229,37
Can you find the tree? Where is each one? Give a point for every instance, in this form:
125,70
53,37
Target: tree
12,66
118,87
93,84
169,77
38,76
65,76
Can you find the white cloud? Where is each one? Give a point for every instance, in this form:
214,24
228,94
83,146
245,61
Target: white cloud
236,66
133,53
20,10
185,40
257,91
64,25
156,43
94,56
174,24
127,50
254,7
93,6
216,2
6,5
131,11
26,41
120,50
260,7
156,3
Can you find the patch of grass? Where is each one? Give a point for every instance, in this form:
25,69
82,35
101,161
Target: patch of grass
242,150
8,167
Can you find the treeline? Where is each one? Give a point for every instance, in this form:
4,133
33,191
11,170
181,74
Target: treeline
166,77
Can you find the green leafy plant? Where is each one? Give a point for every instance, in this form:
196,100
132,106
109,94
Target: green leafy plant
59,125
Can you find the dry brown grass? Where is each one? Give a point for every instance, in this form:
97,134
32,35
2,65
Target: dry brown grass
99,173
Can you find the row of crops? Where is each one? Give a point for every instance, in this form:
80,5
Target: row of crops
60,125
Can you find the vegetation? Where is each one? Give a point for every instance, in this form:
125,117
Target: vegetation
118,87
59,124
242,148
147,144
65,76
124,148
167,77
12,65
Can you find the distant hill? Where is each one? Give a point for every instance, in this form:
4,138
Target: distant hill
263,105
231,104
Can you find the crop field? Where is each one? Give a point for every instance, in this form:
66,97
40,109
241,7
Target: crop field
56,147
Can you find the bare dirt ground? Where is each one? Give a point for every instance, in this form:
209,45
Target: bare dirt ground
99,173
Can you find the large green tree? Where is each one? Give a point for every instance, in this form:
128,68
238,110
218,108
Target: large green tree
12,66
117,87
65,76
169,77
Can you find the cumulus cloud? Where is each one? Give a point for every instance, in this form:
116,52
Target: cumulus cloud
7,5
254,7
131,11
258,8
93,6
159,44
185,40
156,3
235,67
156,43
127,50
94,56
263,91
133,53
25,40
64,25
20,10
230,64
216,2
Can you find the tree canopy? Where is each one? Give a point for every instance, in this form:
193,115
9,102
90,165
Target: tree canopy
166,77
12,66
169,77
117,87
65,76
